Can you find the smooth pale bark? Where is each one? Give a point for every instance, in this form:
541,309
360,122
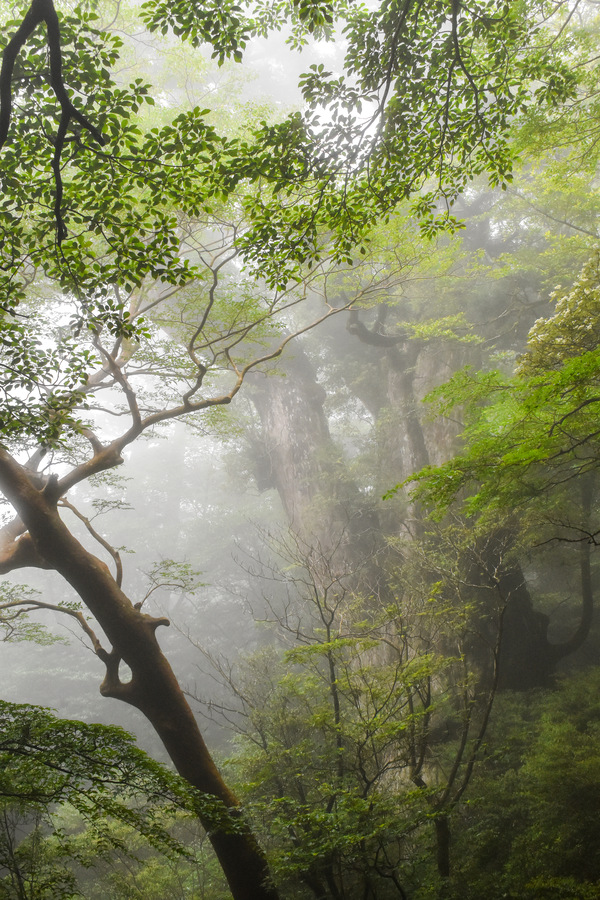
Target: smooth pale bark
153,687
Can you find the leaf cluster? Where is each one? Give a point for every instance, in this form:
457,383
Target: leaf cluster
528,434
97,769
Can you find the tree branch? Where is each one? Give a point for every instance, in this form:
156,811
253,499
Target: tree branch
97,537
19,553
43,11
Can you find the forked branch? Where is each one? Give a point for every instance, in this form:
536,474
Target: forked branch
29,604
116,556
43,11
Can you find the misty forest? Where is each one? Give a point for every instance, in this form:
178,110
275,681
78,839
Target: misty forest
300,449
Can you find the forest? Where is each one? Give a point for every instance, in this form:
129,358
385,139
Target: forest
299,364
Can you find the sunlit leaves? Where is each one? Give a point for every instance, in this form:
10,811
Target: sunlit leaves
40,384
575,326
423,105
221,24
526,436
228,26
425,101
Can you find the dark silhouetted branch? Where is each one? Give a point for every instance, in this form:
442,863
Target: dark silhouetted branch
43,11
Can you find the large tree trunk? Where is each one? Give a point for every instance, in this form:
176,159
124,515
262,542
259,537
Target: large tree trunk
296,455
153,688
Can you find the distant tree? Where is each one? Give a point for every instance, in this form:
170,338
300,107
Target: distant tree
359,726
531,454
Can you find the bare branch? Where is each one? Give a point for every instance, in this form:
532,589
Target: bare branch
31,603
116,556
117,373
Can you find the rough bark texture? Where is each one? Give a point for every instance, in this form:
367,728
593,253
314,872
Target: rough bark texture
297,456
153,688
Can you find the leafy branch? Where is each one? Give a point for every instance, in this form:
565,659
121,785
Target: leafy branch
43,11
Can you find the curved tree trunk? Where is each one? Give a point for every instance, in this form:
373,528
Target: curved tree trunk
296,454
405,371
527,657
153,687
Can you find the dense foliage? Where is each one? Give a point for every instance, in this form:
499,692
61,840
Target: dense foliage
100,773
532,433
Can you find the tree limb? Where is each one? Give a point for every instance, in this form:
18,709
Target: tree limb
43,11
97,537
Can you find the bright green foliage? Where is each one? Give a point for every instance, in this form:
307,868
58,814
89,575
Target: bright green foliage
17,602
96,768
573,330
47,762
433,80
424,105
536,431
131,867
356,740
320,761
